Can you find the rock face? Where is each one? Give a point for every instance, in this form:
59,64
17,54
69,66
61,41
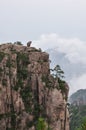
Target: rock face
28,91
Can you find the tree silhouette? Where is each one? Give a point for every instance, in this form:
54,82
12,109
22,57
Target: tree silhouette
58,72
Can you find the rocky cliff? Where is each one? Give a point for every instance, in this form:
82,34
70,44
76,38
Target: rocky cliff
30,97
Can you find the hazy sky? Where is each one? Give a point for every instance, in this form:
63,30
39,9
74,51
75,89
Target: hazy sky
57,24
28,19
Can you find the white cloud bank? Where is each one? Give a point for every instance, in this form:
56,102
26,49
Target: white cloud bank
74,49
77,83
75,52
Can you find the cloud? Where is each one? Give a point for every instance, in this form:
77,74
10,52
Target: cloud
77,83
46,41
74,49
70,53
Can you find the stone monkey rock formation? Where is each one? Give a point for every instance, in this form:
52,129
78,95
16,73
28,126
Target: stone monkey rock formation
29,43
28,90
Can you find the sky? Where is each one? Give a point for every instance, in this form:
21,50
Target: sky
59,25
29,19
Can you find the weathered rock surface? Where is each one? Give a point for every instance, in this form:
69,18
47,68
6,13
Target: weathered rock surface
28,91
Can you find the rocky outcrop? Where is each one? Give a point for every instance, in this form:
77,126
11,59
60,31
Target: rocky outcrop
28,91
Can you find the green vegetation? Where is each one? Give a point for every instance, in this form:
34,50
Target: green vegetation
47,81
22,62
1,70
62,85
41,124
58,72
2,55
6,115
1,116
83,125
58,75
23,58
8,63
22,75
78,116
29,124
9,115
4,82
18,43
26,94
78,110
19,84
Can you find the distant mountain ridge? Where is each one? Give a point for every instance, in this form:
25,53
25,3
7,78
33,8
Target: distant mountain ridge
78,98
77,109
